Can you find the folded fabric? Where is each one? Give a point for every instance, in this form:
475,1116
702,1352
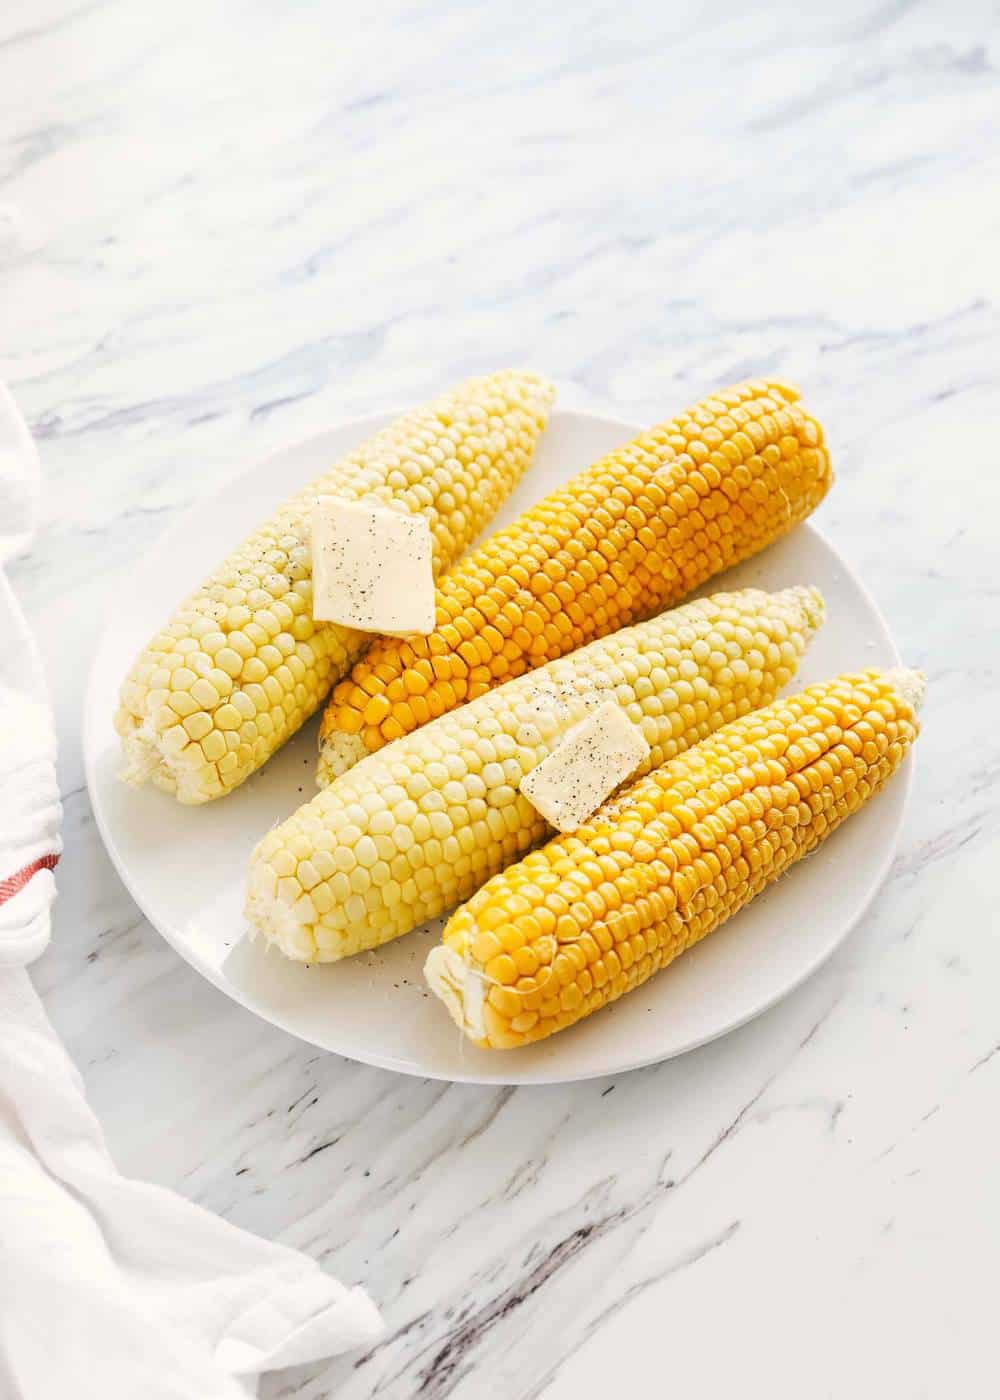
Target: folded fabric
118,1288
109,1287
29,795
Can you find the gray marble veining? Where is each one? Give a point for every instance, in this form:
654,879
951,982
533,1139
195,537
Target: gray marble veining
223,227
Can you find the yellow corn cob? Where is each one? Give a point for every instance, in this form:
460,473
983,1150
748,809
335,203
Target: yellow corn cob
624,539
242,664
410,831
588,917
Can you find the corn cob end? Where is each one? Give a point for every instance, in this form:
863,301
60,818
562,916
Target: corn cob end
142,757
461,988
147,760
265,912
909,684
337,753
813,606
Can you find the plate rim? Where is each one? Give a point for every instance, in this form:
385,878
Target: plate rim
903,783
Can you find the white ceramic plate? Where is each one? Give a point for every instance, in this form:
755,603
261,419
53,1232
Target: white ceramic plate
185,866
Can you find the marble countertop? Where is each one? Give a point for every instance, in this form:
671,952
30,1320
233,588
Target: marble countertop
224,226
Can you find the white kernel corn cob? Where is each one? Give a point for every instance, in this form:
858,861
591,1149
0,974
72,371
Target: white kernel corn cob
412,830
241,665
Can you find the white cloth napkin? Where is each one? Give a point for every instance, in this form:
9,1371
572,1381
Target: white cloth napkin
109,1288
29,796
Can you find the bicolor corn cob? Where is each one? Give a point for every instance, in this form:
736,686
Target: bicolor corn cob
590,916
411,831
242,664
631,535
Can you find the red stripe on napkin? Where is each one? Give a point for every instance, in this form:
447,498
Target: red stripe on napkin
10,886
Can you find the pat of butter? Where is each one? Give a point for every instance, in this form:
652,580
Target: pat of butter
372,567
590,761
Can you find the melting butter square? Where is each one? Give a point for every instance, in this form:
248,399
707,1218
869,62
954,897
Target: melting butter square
372,567
591,760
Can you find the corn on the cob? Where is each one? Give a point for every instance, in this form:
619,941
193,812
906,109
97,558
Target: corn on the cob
410,831
629,536
242,664
590,916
